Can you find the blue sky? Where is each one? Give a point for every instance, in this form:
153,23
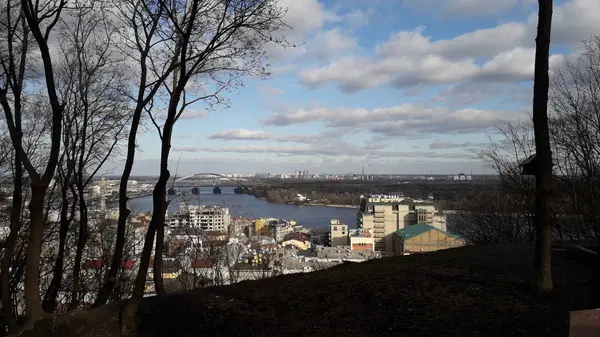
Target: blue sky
405,86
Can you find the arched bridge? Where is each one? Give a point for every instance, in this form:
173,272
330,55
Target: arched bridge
247,183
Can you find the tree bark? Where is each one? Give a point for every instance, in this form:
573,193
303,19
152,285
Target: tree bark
49,303
15,226
129,316
159,196
111,277
81,240
158,222
33,299
543,184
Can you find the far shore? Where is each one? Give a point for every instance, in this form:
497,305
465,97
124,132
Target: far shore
321,205
332,205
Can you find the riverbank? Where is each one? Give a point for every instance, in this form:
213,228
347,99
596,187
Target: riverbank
306,204
332,205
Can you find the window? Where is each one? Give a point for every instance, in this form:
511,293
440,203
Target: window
335,228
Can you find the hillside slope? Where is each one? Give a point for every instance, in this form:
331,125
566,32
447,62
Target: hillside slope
472,291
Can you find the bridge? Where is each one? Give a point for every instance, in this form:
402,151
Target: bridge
213,179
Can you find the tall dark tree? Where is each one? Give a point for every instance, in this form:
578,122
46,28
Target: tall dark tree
543,174
13,58
142,42
39,19
212,45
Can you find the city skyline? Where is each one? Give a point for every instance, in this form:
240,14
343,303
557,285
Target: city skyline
182,169
407,86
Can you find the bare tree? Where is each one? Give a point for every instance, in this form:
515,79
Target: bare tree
13,58
505,214
142,43
214,44
575,128
543,174
38,20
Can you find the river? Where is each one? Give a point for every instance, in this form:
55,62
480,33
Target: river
243,205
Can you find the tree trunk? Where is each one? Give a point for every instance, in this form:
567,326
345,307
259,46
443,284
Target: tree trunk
543,183
129,316
49,303
158,222
160,204
15,226
117,257
81,240
33,300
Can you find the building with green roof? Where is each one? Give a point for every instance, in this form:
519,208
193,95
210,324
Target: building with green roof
422,237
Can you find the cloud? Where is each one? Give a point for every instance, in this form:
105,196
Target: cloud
282,69
408,120
465,7
327,150
472,92
504,53
193,114
355,18
452,145
328,43
252,164
271,91
188,114
240,134
303,17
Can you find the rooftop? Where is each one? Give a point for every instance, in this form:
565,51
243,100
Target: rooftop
299,236
361,232
411,231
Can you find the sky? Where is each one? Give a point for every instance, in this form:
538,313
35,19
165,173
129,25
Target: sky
397,86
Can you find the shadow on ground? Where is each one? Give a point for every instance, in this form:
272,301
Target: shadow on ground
471,291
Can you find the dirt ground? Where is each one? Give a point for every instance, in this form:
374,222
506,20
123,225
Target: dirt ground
471,291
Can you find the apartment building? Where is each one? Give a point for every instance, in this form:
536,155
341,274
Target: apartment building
339,233
210,218
386,214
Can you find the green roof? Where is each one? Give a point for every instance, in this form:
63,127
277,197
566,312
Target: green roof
411,231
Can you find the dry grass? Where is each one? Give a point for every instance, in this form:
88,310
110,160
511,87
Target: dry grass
473,291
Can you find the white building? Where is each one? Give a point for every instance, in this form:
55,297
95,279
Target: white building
212,218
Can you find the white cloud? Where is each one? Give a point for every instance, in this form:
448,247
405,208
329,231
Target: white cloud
465,7
327,150
472,92
503,53
452,145
573,21
240,134
328,43
355,18
304,17
193,114
409,120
